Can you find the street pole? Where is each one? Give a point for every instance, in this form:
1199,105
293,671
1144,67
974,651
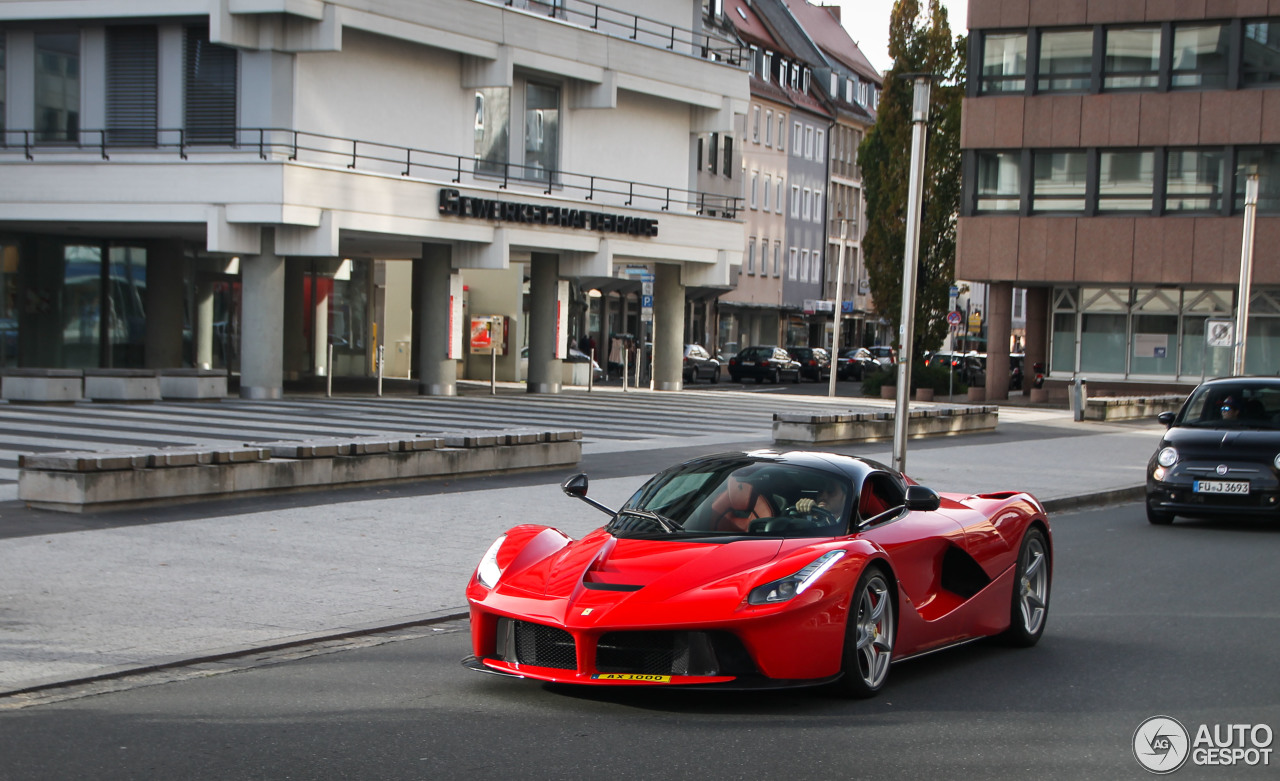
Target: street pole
1246,270
835,336
906,328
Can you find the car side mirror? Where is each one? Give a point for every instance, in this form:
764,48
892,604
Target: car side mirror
576,487
1166,418
921,498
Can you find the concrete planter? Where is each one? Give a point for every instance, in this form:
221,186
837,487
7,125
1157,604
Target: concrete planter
1039,395
888,391
977,394
924,394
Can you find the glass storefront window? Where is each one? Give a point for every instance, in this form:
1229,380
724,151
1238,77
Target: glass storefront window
1132,58
1262,346
1004,62
57,86
1066,60
1058,181
349,319
492,130
127,295
1062,358
1200,56
999,181
81,306
1126,180
1155,344
1266,161
1194,180
1261,57
8,304
542,132
1198,358
1102,342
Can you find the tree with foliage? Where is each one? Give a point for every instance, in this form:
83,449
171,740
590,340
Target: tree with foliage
918,44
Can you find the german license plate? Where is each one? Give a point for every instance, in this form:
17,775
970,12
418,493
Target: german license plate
631,677
748,363
1220,487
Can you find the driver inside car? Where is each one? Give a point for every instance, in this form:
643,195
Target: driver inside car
830,498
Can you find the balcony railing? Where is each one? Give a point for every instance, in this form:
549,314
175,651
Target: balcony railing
709,45
287,145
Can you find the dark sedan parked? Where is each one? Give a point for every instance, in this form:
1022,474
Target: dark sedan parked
854,364
764,362
1221,454
815,362
698,363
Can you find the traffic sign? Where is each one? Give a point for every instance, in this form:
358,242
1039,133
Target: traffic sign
954,318
646,302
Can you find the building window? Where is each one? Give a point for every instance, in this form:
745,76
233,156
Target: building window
817,206
820,146
701,142
768,191
768,66
209,108
755,189
1266,161
797,139
755,124
57,87
815,266
835,85
779,201
1058,182
751,255
795,201
1132,58
808,142
541,131
999,186
1066,60
768,128
1004,63
792,264
1261,61
131,85
848,91
713,152
493,130
806,203
1200,56
777,258
764,257
1126,180
804,265
782,130
1194,180
728,157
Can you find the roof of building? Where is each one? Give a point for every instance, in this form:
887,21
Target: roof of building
822,23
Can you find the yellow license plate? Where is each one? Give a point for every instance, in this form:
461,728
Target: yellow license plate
631,677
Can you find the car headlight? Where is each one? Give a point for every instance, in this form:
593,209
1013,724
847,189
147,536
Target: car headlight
1276,461
488,572
1168,457
789,587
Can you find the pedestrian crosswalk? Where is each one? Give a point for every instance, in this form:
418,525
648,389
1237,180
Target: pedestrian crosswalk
610,420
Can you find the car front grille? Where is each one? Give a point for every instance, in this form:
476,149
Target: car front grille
534,644
672,653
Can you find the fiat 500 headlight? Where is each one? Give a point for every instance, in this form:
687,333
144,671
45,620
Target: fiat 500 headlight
1168,457
791,586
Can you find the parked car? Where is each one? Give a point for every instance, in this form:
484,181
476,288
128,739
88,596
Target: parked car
943,358
854,364
884,354
1220,455
573,356
815,362
1015,370
762,362
761,570
973,369
699,363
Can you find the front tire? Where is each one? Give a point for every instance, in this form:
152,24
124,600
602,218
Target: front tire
1030,605
1157,518
869,637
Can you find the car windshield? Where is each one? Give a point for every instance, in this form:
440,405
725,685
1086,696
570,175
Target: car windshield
1233,405
725,498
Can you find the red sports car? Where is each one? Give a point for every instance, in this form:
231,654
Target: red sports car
762,569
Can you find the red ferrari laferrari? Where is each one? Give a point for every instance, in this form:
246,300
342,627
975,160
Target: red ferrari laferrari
762,569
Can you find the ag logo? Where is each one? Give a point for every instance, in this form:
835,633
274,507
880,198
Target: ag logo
1161,744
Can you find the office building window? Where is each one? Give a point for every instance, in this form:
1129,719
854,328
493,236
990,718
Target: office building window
1058,181
1266,161
1200,56
541,131
1126,180
999,181
493,129
768,128
131,85
1194,180
1004,62
1261,61
57,86
1132,58
209,106
1066,60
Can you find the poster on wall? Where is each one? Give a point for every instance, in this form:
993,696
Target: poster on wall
1150,345
562,319
455,317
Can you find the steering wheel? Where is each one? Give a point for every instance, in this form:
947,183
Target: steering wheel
814,516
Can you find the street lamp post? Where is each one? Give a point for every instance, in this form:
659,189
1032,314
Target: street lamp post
906,328
839,306
1246,270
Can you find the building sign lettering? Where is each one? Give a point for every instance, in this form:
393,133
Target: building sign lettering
455,204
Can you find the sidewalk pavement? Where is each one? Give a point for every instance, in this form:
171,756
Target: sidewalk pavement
101,603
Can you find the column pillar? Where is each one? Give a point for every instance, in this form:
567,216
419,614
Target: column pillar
1036,344
668,328
999,330
433,323
164,299
204,324
320,287
544,367
295,339
262,322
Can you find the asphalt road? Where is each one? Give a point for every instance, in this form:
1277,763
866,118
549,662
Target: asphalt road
1178,621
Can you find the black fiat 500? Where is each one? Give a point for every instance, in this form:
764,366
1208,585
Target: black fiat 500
1221,454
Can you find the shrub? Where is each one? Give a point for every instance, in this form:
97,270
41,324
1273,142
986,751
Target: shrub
922,376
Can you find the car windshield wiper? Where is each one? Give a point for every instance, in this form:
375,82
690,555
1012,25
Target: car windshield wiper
669,526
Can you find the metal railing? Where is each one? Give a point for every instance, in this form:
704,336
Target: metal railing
285,144
708,45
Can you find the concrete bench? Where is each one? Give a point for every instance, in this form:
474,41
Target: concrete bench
876,425
1105,408
42,386
88,481
121,385
193,384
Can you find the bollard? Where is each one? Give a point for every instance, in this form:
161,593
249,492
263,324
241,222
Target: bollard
1079,394
380,365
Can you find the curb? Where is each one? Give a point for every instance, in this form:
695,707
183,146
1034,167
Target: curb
1114,496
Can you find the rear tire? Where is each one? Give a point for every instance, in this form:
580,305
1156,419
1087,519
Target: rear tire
1029,610
869,636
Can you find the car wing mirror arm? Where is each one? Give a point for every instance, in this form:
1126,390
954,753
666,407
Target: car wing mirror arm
576,486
